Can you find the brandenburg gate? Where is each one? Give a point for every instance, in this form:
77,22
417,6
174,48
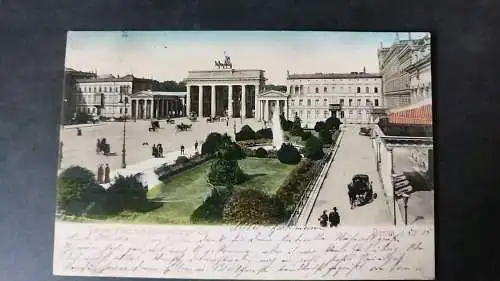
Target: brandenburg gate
224,92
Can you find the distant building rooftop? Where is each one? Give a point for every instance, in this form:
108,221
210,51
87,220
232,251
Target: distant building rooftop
335,75
111,78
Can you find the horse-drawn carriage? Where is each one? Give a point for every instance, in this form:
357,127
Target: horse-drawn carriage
184,127
213,119
360,190
155,125
170,121
364,131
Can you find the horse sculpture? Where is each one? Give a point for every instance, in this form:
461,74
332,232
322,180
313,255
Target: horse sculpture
224,65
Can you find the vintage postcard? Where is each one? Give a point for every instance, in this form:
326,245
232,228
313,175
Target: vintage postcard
246,155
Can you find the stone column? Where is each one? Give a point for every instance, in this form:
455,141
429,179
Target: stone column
151,108
200,101
286,109
266,110
143,109
212,104
243,102
136,109
230,102
188,101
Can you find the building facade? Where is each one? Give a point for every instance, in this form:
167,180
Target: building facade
224,92
419,71
69,105
157,105
395,63
355,94
106,95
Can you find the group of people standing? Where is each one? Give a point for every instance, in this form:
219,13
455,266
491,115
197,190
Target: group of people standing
103,174
333,218
157,151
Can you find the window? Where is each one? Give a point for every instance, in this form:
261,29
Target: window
126,99
367,102
121,110
309,102
100,89
308,114
88,110
350,102
300,102
341,101
325,114
293,102
317,90
358,102
317,114
342,114
367,89
350,113
349,89
325,101
126,110
93,110
316,102
95,89
375,90
359,90
324,89
341,88
376,102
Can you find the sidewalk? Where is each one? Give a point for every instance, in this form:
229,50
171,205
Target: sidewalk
82,125
147,168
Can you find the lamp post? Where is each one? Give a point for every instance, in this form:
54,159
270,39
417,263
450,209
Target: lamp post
405,200
124,150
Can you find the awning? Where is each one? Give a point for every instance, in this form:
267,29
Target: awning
415,116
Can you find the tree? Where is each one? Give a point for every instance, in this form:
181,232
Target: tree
285,125
76,188
313,148
332,123
280,88
211,143
213,206
261,153
325,136
127,193
169,86
296,129
225,170
288,154
246,133
320,125
82,117
252,206
305,135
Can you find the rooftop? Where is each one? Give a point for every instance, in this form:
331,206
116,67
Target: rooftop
334,75
111,78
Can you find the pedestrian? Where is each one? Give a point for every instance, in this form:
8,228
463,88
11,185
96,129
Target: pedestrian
100,174
227,121
154,150
182,149
334,217
160,150
196,146
106,174
78,131
265,124
98,146
323,219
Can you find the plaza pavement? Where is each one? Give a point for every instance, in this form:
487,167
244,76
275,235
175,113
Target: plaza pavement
81,150
354,156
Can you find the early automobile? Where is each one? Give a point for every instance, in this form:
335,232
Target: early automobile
360,190
364,131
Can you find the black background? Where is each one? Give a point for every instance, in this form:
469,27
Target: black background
466,103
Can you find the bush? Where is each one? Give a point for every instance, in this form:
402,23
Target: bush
82,118
325,136
127,193
320,125
294,185
166,171
264,134
213,206
236,152
332,123
246,133
251,206
211,143
288,154
261,153
285,124
305,135
225,172
76,189
181,160
313,148
296,129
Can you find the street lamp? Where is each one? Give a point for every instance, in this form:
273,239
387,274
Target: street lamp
122,101
405,200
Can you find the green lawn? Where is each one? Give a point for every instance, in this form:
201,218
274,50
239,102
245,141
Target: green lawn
185,192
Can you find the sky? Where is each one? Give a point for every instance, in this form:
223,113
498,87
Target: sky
169,55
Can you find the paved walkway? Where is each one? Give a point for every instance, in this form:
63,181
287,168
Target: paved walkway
354,156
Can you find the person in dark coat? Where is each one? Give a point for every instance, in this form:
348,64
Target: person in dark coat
78,131
182,149
334,217
100,174
106,174
323,219
154,151
98,146
196,146
160,150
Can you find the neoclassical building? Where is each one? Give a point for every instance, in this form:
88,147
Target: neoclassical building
352,97
224,92
106,95
419,70
156,105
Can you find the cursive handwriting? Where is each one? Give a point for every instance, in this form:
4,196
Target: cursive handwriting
243,252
